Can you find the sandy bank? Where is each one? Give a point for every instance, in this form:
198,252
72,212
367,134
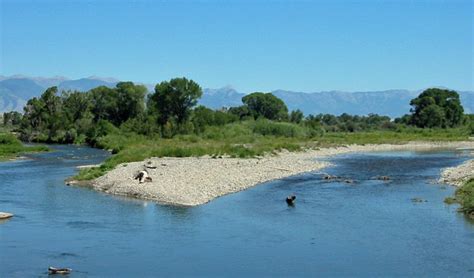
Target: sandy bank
194,181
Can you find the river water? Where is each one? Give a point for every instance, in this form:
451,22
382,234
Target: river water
367,228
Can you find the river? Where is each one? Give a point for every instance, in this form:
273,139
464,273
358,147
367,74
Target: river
367,228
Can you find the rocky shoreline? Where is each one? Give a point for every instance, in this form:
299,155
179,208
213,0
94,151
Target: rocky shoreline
458,175
194,181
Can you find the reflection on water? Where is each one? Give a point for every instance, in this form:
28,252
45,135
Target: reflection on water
366,228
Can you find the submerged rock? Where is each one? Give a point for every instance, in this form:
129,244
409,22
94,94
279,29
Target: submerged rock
418,200
330,177
54,270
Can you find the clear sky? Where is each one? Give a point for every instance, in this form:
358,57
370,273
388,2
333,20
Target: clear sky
250,45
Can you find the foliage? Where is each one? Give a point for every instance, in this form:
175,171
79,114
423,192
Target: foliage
130,100
174,99
296,116
266,105
469,123
117,119
12,118
10,147
77,117
242,112
203,117
437,108
266,127
349,123
465,197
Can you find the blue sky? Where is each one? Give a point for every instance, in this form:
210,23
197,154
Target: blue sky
250,45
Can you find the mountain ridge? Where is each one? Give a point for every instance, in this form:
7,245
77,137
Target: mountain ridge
16,90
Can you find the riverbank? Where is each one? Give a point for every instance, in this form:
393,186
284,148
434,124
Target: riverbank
462,177
11,148
194,181
458,175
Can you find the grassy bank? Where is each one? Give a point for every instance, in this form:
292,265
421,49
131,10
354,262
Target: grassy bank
465,197
11,147
249,139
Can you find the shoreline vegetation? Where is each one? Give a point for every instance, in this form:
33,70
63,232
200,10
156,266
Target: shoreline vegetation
462,177
12,148
239,140
136,125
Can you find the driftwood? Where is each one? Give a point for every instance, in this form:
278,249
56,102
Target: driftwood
54,270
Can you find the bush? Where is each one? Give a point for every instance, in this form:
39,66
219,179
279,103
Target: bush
10,146
9,139
465,197
266,127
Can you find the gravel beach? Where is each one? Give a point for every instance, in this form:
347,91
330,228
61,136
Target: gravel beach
458,175
197,180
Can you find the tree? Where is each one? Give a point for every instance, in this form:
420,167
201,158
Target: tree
43,116
104,104
12,118
130,100
240,111
266,105
33,112
202,117
432,116
174,99
76,105
444,105
296,116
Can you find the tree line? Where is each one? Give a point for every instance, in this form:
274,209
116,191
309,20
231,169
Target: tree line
82,117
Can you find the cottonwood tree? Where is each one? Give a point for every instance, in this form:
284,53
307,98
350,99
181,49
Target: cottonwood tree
437,108
266,105
174,99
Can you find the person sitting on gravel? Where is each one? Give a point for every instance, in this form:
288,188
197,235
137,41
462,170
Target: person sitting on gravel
143,176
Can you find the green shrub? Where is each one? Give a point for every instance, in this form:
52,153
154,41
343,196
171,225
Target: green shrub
266,127
10,147
9,139
465,197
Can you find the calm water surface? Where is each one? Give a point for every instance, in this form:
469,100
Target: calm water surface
369,228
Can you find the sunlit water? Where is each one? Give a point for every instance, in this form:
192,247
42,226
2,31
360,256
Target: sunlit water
368,228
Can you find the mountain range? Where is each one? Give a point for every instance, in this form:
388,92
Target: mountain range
16,90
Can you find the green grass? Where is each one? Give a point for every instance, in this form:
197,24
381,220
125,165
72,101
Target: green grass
248,139
11,147
465,197
394,137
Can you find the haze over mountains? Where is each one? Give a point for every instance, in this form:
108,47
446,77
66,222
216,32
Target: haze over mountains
16,90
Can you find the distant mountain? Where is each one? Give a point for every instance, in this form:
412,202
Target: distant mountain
20,87
223,97
16,90
393,103
84,84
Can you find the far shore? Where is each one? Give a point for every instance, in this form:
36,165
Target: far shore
193,181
